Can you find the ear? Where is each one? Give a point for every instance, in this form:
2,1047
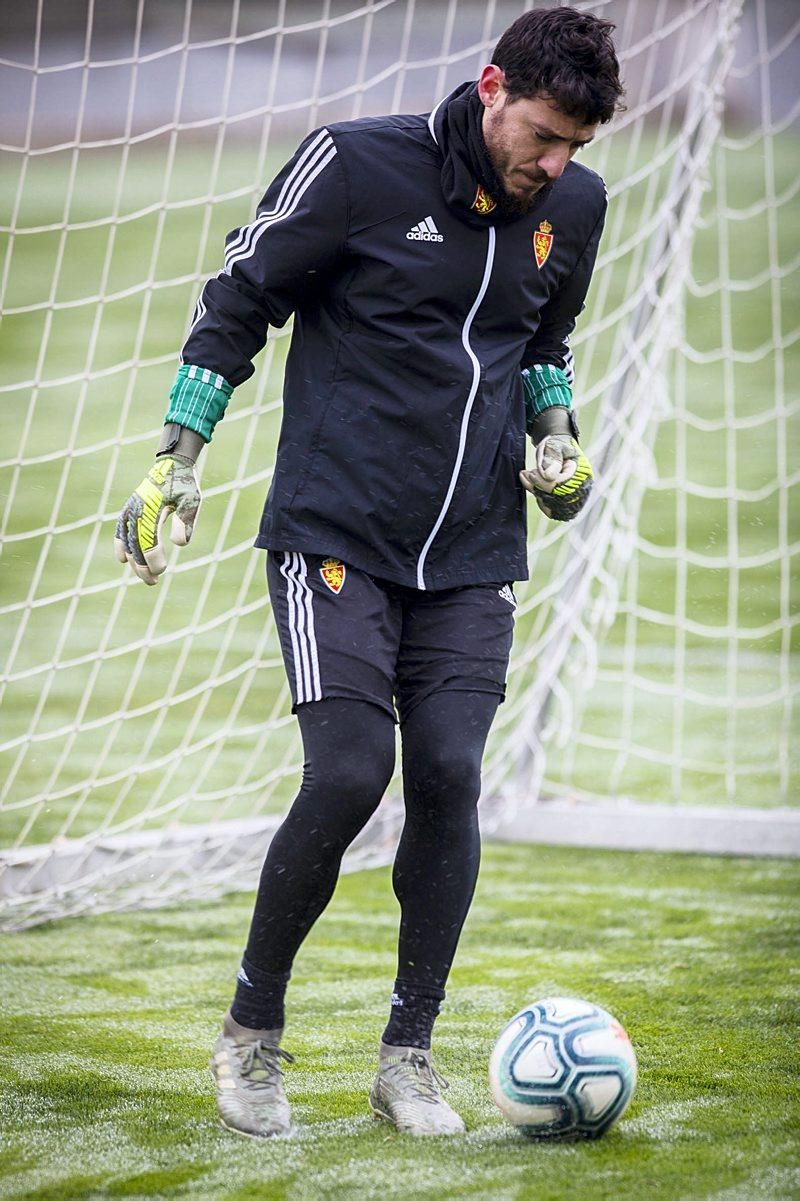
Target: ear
491,85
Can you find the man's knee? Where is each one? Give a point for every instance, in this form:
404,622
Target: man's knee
337,799
448,771
349,761
363,778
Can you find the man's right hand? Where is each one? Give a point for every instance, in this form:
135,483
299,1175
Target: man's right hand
561,478
170,486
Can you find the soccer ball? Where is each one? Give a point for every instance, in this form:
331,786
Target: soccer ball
562,1068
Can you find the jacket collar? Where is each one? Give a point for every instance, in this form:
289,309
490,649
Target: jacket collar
469,182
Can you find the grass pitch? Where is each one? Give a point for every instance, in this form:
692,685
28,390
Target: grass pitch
108,1023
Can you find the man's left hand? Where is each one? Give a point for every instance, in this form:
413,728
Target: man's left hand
561,478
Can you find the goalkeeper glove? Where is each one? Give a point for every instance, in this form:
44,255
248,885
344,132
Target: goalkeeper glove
170,486
561,478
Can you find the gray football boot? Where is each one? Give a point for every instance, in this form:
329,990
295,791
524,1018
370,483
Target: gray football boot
246,1066
408,1092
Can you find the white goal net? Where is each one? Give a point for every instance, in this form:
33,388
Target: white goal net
146,744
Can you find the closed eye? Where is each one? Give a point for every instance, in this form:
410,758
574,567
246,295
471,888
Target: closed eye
549,138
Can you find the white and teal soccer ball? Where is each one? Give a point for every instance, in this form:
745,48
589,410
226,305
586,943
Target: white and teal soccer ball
562,1068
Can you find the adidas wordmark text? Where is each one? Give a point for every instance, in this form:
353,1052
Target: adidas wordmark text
426,231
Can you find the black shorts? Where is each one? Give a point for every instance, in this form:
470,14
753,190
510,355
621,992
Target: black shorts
346,633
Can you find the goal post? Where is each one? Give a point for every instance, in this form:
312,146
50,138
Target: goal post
146,745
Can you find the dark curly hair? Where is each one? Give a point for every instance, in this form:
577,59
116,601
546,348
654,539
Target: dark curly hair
566,55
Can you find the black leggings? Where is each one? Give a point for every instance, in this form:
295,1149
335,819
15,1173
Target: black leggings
349,759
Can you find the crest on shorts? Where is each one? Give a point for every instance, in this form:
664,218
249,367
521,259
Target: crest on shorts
483,204
333,572
542,243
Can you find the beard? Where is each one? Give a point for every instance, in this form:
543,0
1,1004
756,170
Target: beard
518,204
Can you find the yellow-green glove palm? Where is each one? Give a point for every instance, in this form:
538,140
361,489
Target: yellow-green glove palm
561,478
170,486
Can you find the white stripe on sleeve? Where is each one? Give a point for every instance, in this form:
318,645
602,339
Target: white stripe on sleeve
296,173
296,187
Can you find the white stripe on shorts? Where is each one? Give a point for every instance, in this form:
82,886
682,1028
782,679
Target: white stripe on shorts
299,597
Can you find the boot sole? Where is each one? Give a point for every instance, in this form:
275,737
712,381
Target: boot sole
249,1134
379,1116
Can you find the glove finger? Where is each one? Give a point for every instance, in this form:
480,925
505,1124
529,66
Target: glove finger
154,556
120,543
184,518
542,481
140,569
135,554
552,466
580,482
544,507
155,560
180,533
548,482
143,572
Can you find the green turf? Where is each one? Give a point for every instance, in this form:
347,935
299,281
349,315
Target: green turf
108,1021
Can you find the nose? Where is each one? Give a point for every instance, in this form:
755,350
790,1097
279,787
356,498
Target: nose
553,161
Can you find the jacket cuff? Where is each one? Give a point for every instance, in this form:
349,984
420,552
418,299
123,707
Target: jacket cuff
545,387
198,399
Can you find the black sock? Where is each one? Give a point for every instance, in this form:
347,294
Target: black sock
258,1003
414,1010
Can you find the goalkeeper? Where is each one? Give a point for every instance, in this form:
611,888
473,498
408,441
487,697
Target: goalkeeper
435,267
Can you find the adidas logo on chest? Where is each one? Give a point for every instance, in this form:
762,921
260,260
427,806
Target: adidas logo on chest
425,231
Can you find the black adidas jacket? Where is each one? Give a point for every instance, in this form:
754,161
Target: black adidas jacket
404,426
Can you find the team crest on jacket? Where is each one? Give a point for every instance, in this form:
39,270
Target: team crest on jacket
542,243
333,572
483,202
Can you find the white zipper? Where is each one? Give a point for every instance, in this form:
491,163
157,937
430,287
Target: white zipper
462,438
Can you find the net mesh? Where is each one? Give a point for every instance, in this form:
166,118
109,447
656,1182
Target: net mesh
654,649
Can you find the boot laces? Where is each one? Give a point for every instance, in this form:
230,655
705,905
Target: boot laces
261,1063
428,1083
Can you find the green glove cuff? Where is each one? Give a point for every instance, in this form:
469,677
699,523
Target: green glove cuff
545,387
198,399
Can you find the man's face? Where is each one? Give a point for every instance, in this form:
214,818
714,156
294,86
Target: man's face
529,141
